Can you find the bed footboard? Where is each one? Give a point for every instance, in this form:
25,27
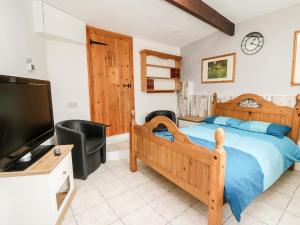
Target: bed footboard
194,168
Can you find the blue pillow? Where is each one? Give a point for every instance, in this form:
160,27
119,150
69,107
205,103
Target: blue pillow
274,129
224,121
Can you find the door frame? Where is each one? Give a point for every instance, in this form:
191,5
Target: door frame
93,30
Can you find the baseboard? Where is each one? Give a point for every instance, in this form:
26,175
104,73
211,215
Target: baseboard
297,166
117,138
115,155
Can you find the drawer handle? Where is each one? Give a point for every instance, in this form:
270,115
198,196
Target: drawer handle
65,172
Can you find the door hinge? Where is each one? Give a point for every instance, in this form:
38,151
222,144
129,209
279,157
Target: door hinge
96,42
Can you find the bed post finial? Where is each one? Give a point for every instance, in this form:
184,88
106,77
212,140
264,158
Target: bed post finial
298,100
133,158
215,97
214,104
219,136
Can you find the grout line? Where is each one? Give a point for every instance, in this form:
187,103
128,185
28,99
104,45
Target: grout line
256,218
106,201
291,198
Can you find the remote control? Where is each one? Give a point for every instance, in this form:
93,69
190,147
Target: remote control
57,152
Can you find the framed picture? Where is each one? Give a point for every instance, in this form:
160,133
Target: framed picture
219,69
296,59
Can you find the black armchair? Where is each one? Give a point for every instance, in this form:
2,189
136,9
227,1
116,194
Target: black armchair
89,140
171,115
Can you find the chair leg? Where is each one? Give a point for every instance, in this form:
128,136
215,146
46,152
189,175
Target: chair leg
103,155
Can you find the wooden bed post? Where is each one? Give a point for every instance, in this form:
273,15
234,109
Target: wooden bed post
214,104
217,173
296,120
133,157
295,125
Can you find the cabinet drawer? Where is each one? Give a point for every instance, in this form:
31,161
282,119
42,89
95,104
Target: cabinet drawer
61,172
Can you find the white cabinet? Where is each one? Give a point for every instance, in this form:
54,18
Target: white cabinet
39,195
52,21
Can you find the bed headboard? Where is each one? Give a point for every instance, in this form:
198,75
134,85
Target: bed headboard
254,107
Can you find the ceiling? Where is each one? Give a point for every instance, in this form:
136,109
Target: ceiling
159,21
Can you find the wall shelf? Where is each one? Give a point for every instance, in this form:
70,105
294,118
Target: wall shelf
159,66
163,78
160,72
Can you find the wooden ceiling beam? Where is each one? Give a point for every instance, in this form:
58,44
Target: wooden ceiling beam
205,13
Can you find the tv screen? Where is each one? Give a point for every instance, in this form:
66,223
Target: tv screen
26,117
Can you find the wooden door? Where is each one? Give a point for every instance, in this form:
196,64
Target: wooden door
110,79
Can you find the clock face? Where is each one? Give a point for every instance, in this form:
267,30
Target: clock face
252,43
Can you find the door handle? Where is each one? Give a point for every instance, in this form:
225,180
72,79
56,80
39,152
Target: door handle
127,85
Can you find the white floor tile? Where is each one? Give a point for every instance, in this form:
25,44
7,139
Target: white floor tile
86,200
165,183
190,217
126,203
284,188
135,179
98,215
146,216
246,220
264,212
118,222
112,188
201,207
150,191
115,163
185,196
121,171
294,207
101,177
297,193
289,219
275,199
169,206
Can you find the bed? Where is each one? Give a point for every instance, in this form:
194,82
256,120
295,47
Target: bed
195,161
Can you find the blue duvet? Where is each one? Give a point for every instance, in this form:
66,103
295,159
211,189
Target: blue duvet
254,161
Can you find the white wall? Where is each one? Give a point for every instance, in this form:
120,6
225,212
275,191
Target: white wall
18,40
266,73
144,102
67,71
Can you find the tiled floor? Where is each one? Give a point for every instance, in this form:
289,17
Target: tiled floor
114,196
123,145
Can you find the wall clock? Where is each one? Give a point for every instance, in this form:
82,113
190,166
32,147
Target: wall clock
252,43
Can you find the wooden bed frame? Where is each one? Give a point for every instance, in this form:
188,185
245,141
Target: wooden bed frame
194,168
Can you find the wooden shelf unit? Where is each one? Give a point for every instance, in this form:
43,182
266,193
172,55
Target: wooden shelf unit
168,81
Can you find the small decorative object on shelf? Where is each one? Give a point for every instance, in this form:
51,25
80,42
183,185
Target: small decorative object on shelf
160,72
150,84
175,73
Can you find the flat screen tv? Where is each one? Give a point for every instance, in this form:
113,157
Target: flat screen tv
26,117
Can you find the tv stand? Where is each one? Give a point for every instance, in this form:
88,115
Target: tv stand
36,154
41,193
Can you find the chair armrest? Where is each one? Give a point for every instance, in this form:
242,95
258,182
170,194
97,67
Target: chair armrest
92,129
68,136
